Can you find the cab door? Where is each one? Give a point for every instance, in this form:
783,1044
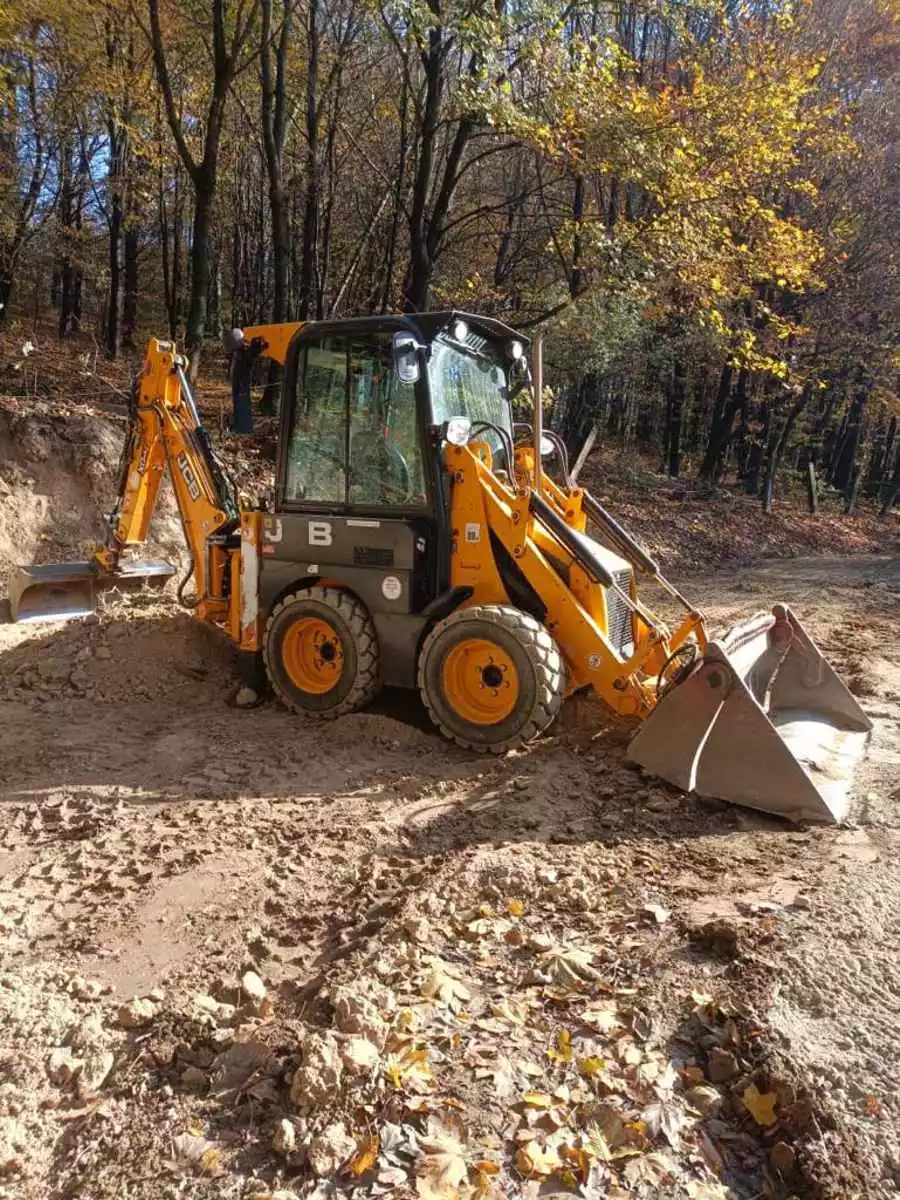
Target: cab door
355,482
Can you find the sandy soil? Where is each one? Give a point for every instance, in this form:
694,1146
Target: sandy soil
431,936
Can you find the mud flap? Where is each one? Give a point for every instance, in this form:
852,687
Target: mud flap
62,591
764,721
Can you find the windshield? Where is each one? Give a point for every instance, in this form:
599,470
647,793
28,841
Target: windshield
469,384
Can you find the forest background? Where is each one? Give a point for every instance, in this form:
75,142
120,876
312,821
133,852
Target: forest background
695,203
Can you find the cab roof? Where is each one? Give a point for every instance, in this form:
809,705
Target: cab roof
432,323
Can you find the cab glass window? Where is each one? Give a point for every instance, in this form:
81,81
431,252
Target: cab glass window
317,449
355,436
466,383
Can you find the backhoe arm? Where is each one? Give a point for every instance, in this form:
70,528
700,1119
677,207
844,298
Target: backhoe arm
166,430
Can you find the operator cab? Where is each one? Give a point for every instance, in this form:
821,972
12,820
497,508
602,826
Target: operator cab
366,403
361,495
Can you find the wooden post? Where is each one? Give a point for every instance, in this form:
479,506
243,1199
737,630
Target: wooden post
853,494
812,488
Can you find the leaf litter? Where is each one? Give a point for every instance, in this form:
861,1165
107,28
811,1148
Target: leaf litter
447,1062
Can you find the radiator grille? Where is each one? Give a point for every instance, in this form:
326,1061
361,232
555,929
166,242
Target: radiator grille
618,614
373,556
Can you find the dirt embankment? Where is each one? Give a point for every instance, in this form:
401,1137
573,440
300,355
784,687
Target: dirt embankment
58,477
245,955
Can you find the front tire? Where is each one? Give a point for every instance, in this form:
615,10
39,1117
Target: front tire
491,677
321,652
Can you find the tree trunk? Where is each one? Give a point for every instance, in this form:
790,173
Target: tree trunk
130,301
69,204
892,491
227,47
756,449
311,197
201,270
844,462
720,424
674,413
420,265
778,447
6,287
117,154
274,132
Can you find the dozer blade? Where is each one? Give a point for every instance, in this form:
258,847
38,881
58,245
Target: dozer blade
763,721
61,591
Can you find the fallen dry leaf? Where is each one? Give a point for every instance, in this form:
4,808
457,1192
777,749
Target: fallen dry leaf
596,1145
760,1105
608,1121
570,965
366,1156
707,1191
649,1168
510,1010
562,1051
409,1070
441,1169
591,1066
211,1162
530,1068
447,988
667,1119
487,1167
534,1159
602,1019
659,914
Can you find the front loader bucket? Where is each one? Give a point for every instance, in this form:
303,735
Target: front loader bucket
763,721
61,591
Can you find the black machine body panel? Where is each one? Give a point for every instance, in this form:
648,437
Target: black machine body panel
387,562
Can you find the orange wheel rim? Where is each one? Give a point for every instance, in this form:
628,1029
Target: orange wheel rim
312,655
480,681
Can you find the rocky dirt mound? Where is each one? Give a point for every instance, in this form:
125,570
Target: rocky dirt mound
134,649
487,1027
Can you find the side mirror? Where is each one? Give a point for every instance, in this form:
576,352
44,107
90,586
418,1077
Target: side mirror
232,340
406,357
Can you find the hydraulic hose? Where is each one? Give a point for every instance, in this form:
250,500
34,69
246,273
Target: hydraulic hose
189,604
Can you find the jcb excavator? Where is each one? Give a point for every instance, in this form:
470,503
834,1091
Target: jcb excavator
416,539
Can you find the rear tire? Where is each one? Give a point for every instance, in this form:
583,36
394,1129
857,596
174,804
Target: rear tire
491,677
321,652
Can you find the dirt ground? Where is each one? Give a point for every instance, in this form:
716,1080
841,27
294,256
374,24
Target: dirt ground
244,955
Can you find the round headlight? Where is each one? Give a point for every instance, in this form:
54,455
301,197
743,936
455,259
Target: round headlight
459,430
516,351
460,331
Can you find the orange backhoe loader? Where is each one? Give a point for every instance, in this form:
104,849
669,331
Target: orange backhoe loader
417,539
